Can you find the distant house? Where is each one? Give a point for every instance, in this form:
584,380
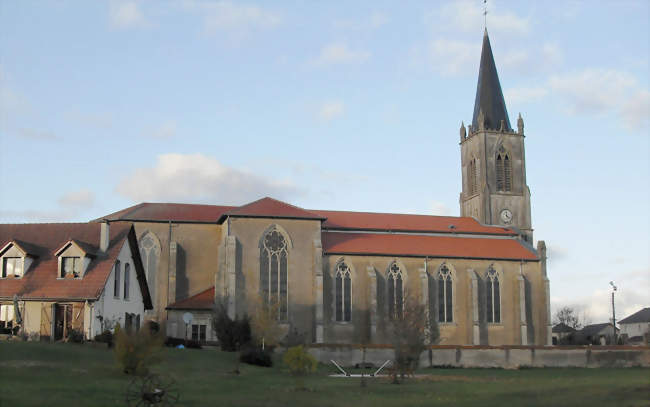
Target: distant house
60,277
562,333
635,329
596,334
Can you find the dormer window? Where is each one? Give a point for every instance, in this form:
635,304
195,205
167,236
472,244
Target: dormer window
71,267
74,259
15,260
12,267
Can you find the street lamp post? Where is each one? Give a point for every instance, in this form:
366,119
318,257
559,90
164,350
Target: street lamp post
613,310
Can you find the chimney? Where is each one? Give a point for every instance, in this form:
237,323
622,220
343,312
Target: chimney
104,234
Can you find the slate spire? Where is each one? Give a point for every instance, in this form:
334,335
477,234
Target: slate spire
489,97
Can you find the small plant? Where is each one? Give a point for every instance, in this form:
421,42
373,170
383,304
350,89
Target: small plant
135,352
300,364
105,337
75,336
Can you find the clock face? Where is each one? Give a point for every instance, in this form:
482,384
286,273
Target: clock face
506,216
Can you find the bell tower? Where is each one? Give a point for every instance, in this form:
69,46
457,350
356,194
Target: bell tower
493,161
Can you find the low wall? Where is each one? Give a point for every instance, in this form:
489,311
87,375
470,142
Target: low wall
510,357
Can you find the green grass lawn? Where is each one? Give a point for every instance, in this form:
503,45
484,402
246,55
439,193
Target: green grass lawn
36,374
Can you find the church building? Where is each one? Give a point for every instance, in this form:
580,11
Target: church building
341,277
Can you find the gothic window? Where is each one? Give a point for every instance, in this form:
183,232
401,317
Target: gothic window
150,254
493,296
504,171
473,177
343,293
274,271
395,292
445,295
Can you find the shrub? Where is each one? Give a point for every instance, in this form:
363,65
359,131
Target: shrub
256,356
105,337
233,334
299,361
135,352
75,336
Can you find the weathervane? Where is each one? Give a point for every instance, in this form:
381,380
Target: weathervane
485,12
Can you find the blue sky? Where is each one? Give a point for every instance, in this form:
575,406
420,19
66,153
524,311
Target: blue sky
327,105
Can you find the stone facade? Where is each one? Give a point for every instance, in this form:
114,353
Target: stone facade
495,292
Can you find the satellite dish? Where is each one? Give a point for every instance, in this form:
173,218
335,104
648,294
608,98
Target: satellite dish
187,317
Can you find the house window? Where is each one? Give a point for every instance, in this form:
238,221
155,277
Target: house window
395,292
274,271
493,296
70,267
127,279
12,267
198,333
343,293
504,171
116,282
445,295
6,316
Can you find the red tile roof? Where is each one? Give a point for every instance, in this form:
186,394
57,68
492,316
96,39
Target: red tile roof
407,223
203,301
165,212
44,239
340,220
422,245
271,208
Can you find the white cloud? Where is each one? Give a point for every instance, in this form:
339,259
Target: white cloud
599,91
635,112
126,14
339,53
440,209
83,198
556,253
34,134
164,131
331,110
69,207
372,22
452,56
199,178
593,90
233,17
466,15
517,96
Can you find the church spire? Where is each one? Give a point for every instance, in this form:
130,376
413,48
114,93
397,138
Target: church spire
489,97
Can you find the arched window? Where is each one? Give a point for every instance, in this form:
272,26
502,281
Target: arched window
493,296
395,292
445,295
504,171
473,176
150,254
343,293
274,271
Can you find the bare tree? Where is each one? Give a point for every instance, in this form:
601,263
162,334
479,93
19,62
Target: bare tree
410,333
568,316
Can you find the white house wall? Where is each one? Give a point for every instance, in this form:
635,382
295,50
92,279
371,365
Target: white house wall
113,309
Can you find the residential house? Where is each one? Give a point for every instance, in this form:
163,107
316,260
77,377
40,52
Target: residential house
70,276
